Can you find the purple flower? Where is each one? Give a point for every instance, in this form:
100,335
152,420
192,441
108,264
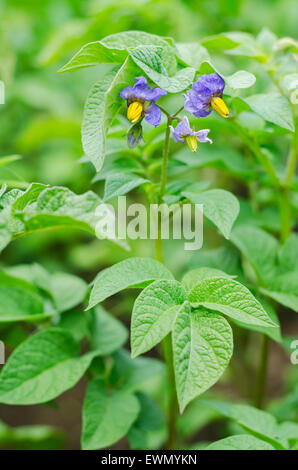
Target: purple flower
134,135
141,99
184,133
206,94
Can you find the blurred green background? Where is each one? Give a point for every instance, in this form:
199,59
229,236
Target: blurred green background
41,118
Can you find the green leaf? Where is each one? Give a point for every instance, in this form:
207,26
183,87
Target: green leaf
287,44
135,374
272,332
9,159
195,275
20,301
150,61
202,348
42,368
273,107
131,39
28,196
102,105
154,313
124,164
224,258
215,156
75,322
58,207
230,298
67,290
191,53
240,79
132,272
258,422
220,206
266,40
288,254
149,426
220,41
195,418
99,112
240,442
3,189
247,46
284,289
259,248
101,410
118,184
289,430
235,43
107,334
94,53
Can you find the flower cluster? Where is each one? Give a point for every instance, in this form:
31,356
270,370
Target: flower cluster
205,95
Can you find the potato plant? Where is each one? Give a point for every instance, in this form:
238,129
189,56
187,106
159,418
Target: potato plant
160,114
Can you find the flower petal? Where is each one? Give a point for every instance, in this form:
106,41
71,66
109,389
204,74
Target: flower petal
202,135
201,90
155,93
213,82
175,136
153,114
183,128
141,91
140,81
127,93
195,105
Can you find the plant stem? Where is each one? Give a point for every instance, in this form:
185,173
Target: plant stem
163,182
262,373
177,112
284,213
167,342
261,156
292,159
284,194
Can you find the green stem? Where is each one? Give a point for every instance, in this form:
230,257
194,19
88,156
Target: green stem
284,213
262,373
285,192
261,156
292,159
167,342
163,182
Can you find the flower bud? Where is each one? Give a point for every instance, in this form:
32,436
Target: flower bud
134,135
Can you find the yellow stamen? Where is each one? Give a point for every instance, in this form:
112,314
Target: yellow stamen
220,106
192,142
134,111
